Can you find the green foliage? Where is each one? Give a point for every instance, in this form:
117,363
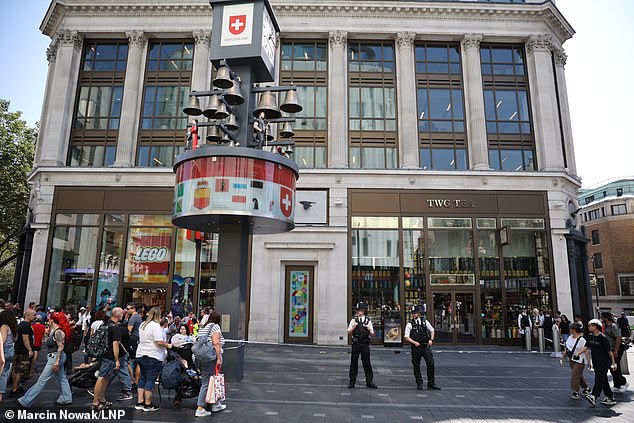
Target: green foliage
17,151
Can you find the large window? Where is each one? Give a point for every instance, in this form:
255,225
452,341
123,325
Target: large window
304,64
619,209
595,237
98,107
441,127
372,105
627,285
508,121
166,92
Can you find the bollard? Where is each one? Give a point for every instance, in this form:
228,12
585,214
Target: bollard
540,339
527,334
556,344
625,368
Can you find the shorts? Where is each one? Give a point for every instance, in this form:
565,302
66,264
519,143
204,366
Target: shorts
39,348
22,365
107,368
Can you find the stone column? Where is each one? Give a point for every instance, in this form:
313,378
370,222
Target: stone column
474,103
63,87
544,103
51,54
560,73
131,102
201,75
337,100
406,100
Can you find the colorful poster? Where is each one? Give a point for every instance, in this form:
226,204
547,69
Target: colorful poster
298,311
107,289
148,255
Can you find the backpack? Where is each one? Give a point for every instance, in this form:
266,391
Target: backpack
202,348
73,342
171,374
98,343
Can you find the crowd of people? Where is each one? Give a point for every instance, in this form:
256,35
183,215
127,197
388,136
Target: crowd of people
130,344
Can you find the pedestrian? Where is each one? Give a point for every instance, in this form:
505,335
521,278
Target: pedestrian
525,324
613,333
578,362
124,372
151,354
361,329
24,352
38,335
204,316
624,325
83,321
60,333
212,331
8,331
564,328
134,321
110,362
420,334
602,360
547,324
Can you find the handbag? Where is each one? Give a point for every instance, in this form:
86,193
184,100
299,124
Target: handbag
571,354
216,387
210,397
202,348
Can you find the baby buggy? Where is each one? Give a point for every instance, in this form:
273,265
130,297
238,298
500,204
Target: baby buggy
181,375
85,375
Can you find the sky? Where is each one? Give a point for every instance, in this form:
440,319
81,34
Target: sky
598,72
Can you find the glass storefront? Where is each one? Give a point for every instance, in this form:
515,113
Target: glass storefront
136,257
471,284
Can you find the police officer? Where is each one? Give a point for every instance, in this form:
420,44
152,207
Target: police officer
420,333
525,324
361,329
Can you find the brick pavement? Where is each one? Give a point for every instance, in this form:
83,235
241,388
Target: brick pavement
309,384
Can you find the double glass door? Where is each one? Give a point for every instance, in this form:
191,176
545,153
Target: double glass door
453,317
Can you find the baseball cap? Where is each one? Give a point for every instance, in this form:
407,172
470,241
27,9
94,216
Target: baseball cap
596,322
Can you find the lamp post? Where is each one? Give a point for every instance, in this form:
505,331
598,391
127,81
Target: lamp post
594,282
230,184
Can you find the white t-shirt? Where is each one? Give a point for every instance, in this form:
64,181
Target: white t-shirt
95,325
147,335
570,344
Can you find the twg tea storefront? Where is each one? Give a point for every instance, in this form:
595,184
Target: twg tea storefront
109,247
473,259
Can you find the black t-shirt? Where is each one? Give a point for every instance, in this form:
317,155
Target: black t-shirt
600,348
24,328
125,336
114,334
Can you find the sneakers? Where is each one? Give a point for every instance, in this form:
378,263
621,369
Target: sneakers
151,407
139,406
608,401
127,395
217,407
575,396
591,399
624,387
586,391
202,413
91,392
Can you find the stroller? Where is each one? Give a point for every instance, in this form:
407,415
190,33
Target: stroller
85,375
189,386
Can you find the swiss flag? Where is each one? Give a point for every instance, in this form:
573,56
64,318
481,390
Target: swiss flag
237,24
286,201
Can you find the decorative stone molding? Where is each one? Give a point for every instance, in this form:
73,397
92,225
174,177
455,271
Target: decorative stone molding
471,41
136,38
202,37
69,38
51,51
539,42
405,39
337,38
561,57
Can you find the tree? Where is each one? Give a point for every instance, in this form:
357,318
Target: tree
17,151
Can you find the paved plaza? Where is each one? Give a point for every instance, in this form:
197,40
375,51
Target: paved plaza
309,384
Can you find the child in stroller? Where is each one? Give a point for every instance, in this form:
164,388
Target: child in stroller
182,351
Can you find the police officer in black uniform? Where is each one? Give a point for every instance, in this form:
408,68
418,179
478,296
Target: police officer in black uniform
361,329
420,334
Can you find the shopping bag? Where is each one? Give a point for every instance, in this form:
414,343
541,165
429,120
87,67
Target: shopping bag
219,385
210,398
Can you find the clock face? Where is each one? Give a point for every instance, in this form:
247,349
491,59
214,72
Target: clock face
268,38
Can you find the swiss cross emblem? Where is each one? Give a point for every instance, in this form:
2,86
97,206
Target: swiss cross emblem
286,201
237,23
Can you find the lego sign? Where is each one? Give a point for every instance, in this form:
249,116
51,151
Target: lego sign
237,25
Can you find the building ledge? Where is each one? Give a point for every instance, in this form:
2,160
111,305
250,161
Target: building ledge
276,245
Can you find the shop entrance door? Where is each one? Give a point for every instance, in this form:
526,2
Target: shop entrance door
453,317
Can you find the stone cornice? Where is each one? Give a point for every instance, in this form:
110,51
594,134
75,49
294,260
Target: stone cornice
472,40
539,42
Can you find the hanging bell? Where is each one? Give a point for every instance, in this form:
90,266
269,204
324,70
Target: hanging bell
233,96
193,108
269,137
291,103
214,134
212,107
268,106
223,78
222,112
287,130
225,139
231,123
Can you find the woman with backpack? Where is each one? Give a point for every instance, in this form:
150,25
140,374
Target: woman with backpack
60,333
8,329
210,333
150,354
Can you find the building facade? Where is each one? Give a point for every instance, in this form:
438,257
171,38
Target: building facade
607,213
436,155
